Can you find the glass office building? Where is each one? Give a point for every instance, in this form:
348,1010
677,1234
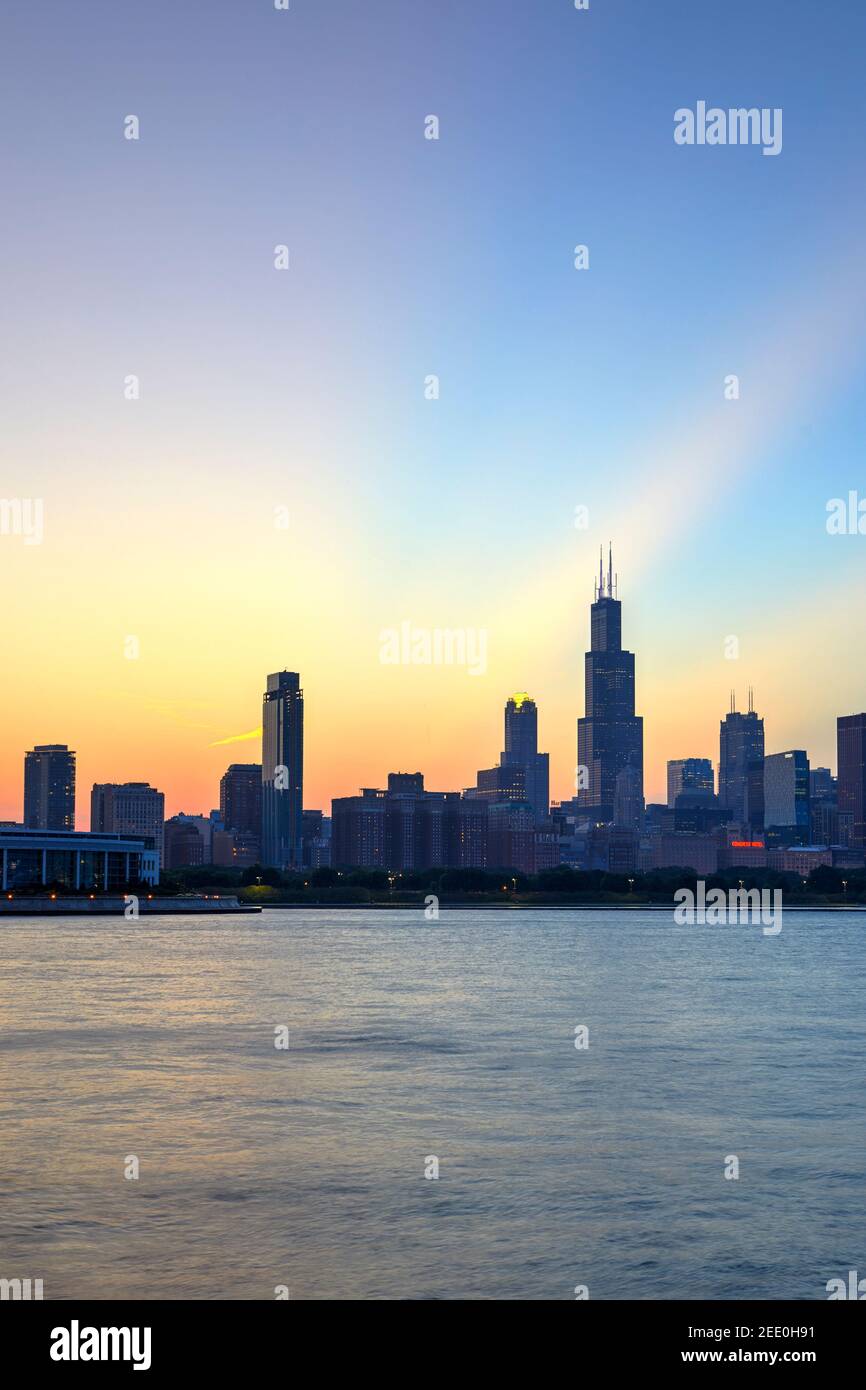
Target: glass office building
75,860
283,771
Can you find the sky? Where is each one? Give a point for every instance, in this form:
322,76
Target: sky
282,492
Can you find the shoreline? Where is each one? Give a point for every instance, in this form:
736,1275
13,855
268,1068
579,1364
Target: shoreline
229,906
117,906
528,907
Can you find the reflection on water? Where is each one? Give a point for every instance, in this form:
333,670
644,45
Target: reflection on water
261,1166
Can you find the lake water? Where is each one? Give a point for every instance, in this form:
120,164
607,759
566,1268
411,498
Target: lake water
410,1039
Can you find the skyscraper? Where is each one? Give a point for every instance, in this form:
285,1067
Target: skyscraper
786,794
851,769
521,750
741,742
282,771
49,787
610,735
131,808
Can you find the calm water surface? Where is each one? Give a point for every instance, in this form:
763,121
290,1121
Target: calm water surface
558,1167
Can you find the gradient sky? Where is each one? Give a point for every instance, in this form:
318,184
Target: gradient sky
305,388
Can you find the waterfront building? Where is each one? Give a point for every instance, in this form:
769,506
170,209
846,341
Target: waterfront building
75,860
282,771
129,808
49,787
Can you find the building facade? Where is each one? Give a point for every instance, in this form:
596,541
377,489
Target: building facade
693,776
851,775
786,794
521,751
503,783
49,787
241,799
610,735
283,771
316,840
75,860
409,830
741,743
129,808
184,843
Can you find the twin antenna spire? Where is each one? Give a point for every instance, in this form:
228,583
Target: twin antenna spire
608,590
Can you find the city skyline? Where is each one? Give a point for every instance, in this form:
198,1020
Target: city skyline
305,390
609,690
255,740
329,774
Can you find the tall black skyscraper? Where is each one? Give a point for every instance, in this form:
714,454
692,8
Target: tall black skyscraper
610,736
521,750
851,750
283,771
741,744
49,787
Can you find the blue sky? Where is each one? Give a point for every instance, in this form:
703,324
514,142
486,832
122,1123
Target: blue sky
454,257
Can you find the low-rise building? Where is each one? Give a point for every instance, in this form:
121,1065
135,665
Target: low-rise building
75,859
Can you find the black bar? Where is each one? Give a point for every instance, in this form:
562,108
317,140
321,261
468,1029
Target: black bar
227,1337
